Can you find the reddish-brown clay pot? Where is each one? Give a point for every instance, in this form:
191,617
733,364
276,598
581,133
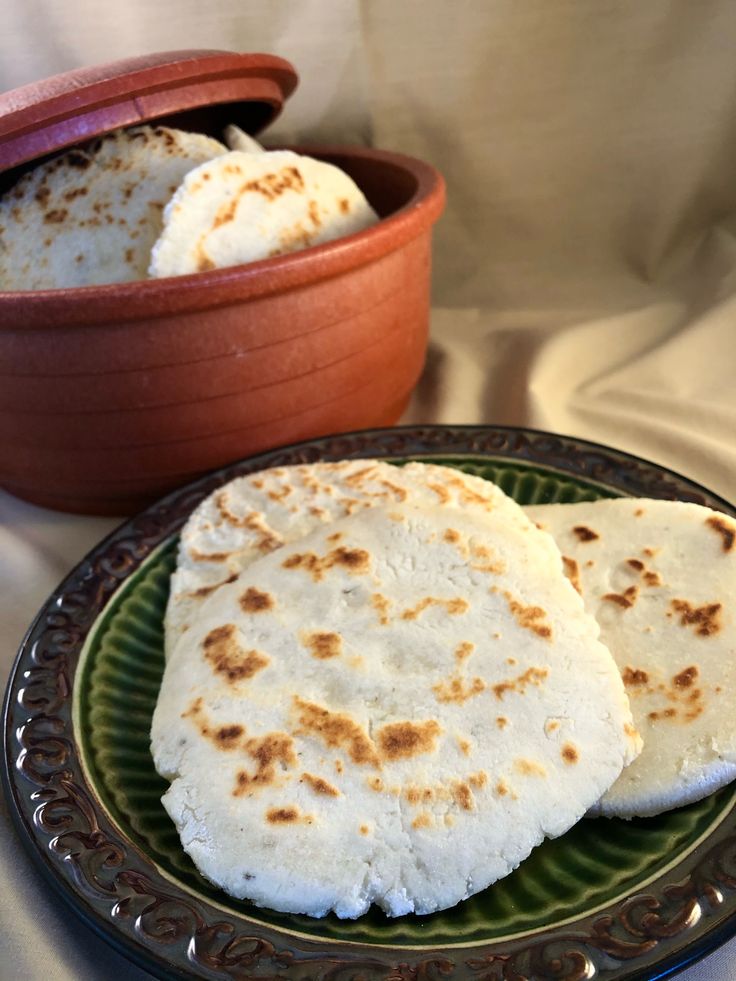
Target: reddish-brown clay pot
112,395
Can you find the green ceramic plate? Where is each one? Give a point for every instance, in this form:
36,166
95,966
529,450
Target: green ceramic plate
613,898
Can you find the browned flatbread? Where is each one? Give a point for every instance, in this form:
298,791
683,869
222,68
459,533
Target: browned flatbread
91,215
660,578
394,709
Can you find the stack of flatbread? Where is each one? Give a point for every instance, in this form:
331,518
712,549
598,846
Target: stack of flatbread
388,685
155,201
380,688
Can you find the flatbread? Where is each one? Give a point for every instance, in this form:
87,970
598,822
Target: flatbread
247,206
660,578
257,513
394,710
92,215
238,139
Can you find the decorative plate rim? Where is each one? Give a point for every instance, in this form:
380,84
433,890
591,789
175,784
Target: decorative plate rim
118,890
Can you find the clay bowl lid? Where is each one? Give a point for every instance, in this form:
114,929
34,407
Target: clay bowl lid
197,90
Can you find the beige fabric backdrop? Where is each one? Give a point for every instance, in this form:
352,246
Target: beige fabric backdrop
585,269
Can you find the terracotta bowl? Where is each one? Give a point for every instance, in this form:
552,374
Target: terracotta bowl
113,395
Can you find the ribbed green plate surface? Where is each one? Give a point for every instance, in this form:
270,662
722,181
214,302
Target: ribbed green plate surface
593,864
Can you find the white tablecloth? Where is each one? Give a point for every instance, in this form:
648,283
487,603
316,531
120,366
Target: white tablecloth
585,269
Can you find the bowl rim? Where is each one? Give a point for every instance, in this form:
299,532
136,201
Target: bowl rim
144,300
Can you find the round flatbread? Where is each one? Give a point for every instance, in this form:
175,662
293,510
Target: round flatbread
92,215
660,578
247,206
394,710
257,513
238,139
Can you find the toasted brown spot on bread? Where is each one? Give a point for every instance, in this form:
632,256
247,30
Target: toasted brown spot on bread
528,617
725,529
501,788
686,677
322,644
501,721
463,650
572,571
270,186
569,753
275,749
452,537
478,780
204,261
381,605
625,600
458,690
195,708
418,795
375,783
320,786
228,658
336,729
266,538
283,815
463,795
633,677
442,492
228,737
464,746
292,238
224,737
313,212
705,619
344,205
56,216
402,740
635,564
668,713
358,478
453,607
400,493
225,214
364,829
255,601
652,578
585,534
532,676
423,820
356,561
467,495
529,768
80,192
484,561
